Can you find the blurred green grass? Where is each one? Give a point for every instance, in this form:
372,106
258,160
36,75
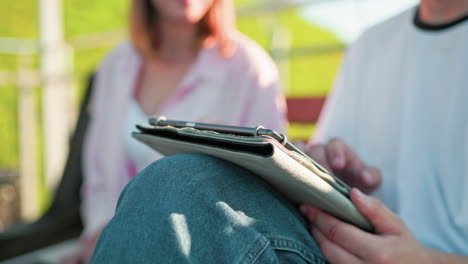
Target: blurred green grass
309,75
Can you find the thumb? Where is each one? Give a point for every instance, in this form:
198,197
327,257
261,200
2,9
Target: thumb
383,220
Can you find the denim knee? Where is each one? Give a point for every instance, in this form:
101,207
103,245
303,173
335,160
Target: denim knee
198,209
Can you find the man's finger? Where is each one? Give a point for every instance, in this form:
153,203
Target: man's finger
332,252
370,179
336,153
345,162
318,153
383,220
349,167
348,237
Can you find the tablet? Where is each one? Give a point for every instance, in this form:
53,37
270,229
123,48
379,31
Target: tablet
252,132
265,152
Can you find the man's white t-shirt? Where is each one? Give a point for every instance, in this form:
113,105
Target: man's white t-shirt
401,102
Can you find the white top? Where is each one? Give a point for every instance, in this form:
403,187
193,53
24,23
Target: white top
401,102
139,155
240,90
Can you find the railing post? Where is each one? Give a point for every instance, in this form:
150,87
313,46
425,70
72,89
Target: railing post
280,48
55,90
29,184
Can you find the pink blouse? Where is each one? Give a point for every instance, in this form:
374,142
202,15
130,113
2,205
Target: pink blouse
240,90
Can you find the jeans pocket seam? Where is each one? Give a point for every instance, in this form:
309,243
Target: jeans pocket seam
312,255
255,250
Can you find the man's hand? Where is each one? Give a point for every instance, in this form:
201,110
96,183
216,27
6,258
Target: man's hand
339,159
392,242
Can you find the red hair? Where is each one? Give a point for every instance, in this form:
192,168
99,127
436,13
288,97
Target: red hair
218,22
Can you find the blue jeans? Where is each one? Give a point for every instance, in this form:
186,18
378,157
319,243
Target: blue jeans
200,209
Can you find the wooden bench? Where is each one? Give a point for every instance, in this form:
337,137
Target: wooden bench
304,110
303,114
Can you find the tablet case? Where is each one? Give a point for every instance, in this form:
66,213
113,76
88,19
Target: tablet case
293,174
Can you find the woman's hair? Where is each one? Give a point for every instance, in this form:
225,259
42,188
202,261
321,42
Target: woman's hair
218,22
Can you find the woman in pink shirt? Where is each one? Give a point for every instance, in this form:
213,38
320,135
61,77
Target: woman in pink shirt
185,60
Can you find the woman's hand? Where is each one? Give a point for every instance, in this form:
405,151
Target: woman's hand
392,242
339,159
